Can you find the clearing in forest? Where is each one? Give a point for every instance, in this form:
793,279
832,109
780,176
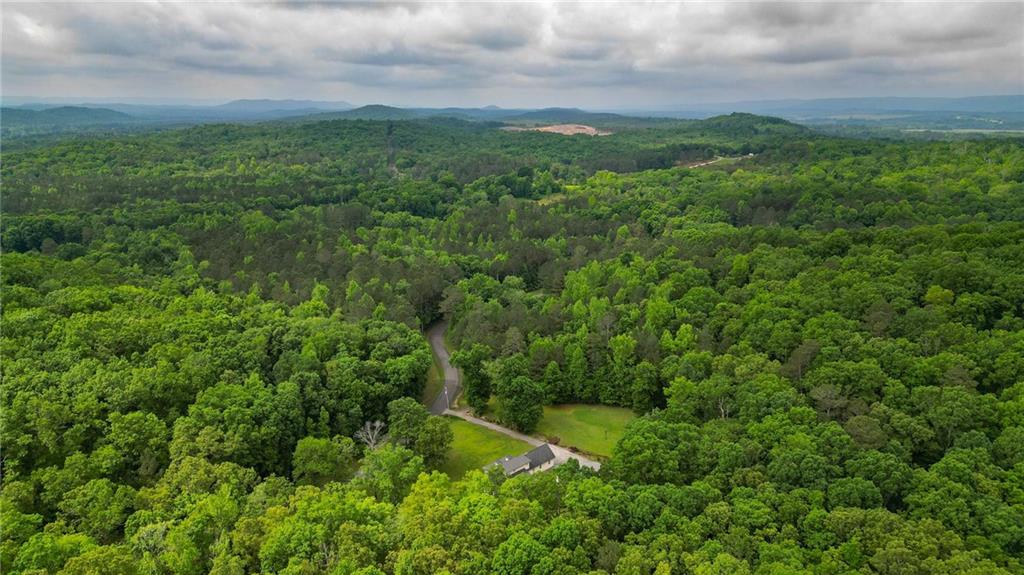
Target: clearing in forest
475,446
592,429
563,129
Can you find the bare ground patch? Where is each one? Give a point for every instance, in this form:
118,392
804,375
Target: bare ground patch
564,129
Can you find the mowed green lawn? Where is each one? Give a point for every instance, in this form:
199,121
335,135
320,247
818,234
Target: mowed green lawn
590,428
475,446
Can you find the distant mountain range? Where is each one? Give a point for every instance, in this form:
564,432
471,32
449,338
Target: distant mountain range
236,110
271,106
62,115
984,112
852,105
980,112
563,115
487,114
371,112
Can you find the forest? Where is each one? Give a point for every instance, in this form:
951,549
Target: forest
213,352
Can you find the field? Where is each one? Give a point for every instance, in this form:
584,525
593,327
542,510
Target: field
590,428
476,446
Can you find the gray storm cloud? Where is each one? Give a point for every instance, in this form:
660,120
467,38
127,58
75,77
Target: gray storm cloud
531,54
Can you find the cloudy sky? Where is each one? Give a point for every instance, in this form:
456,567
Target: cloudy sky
608,55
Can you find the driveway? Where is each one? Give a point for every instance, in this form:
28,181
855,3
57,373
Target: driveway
561,454
452,381
452,386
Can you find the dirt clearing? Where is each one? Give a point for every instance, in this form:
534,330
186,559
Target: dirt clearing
564,129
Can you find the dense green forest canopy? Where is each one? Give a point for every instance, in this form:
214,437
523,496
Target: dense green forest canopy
824,340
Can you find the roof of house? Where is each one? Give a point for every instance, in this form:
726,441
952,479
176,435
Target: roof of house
540,455
513,463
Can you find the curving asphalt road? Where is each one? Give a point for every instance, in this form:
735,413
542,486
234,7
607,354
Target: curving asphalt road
452,381
452,386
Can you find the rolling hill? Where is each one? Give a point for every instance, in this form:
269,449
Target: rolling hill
64,115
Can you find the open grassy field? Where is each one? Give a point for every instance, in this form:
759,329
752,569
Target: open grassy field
590,428
476,446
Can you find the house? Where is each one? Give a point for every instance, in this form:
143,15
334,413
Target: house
537,459
541,458
512,465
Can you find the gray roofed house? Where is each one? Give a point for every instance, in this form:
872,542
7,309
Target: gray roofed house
540,457
536,459
513,465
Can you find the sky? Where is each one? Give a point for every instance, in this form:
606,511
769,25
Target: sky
525,54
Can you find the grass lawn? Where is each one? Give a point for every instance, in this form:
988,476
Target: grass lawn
435,381
590,428
476,446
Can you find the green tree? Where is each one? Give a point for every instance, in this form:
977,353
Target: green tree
517,555
411,425
317,461
98,508
106,560
521,403
387,473
475,379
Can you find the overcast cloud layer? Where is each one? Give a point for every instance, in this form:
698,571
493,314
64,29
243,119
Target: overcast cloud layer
591,55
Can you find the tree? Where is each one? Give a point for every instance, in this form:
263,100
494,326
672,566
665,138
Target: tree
517,555
653,451
372,434
475,379
411,425
190,545
106,560
853,492
798,463
141,438
48,552
521,401
434,441
99,508
619,387
646,392
555,384
829,399
406,418
333,529
951,410
885,471
388,472
801,359
514,342
866,432
578,373
320,460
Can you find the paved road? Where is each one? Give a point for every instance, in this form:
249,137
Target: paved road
452,384
452,387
